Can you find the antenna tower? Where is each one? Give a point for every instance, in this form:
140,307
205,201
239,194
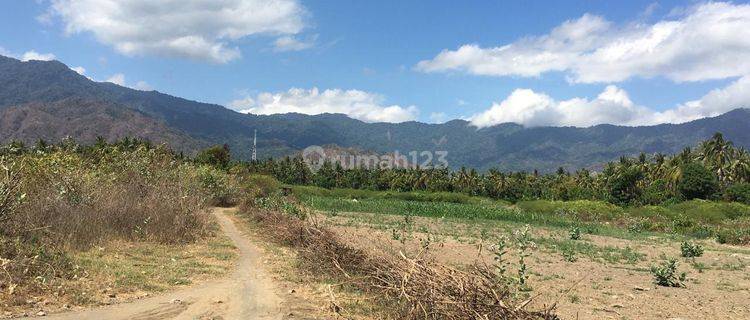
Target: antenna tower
255,141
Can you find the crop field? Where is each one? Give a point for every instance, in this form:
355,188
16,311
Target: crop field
589,264
727,222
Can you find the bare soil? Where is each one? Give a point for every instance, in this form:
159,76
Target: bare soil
609,279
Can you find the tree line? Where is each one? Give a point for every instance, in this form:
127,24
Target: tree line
713,170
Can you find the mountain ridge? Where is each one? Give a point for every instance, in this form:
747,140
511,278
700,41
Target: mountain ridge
188,125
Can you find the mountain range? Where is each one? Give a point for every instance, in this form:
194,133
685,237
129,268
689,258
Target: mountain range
48,100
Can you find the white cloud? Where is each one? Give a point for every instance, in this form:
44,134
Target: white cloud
119,79
612,106
195,29
143,86
714,103
80,70
357,104
28,55
289,43
33,55
242,104
706,41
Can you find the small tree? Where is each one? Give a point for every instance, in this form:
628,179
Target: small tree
697,182
217,156
326,176
624,187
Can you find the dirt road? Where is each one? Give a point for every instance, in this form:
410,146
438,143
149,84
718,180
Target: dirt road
248,293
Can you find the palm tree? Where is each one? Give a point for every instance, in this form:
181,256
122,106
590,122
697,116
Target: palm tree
716,154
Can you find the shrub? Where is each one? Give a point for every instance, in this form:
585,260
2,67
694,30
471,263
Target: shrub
697,182
739,192
261,185
79,200
690,249
575,233
666,274
9,193
734,233
657,193
220,188
569,254
218,156
55,202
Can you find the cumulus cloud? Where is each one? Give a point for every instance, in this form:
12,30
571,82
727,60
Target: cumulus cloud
28,55
142,85
195,29
119,79
289,43
714,103
79,70
706,41
612,106
33,55
5,52
357,104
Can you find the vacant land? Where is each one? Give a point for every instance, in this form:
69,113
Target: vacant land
589,269
83,227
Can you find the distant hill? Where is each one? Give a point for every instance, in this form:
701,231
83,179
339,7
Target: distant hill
86,121
48,100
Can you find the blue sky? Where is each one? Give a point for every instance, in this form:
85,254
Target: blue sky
382,61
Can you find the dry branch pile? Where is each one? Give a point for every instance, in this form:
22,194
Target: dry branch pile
408,288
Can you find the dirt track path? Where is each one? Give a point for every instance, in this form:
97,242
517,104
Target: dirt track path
249,293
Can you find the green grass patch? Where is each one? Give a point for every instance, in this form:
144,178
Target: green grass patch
728,222
156,267
610,254
419,196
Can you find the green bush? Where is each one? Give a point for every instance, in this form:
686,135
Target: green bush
657,193
739,192
581,210
262,185
217,156
666,274
218,186
713,212
623,187
697,182
734,232
575,233
691,249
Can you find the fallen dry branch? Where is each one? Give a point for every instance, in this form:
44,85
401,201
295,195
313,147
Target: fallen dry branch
409,288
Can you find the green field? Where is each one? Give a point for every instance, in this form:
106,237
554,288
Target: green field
727,222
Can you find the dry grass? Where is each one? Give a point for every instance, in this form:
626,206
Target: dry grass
122,271
406,288
57,204
78,203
